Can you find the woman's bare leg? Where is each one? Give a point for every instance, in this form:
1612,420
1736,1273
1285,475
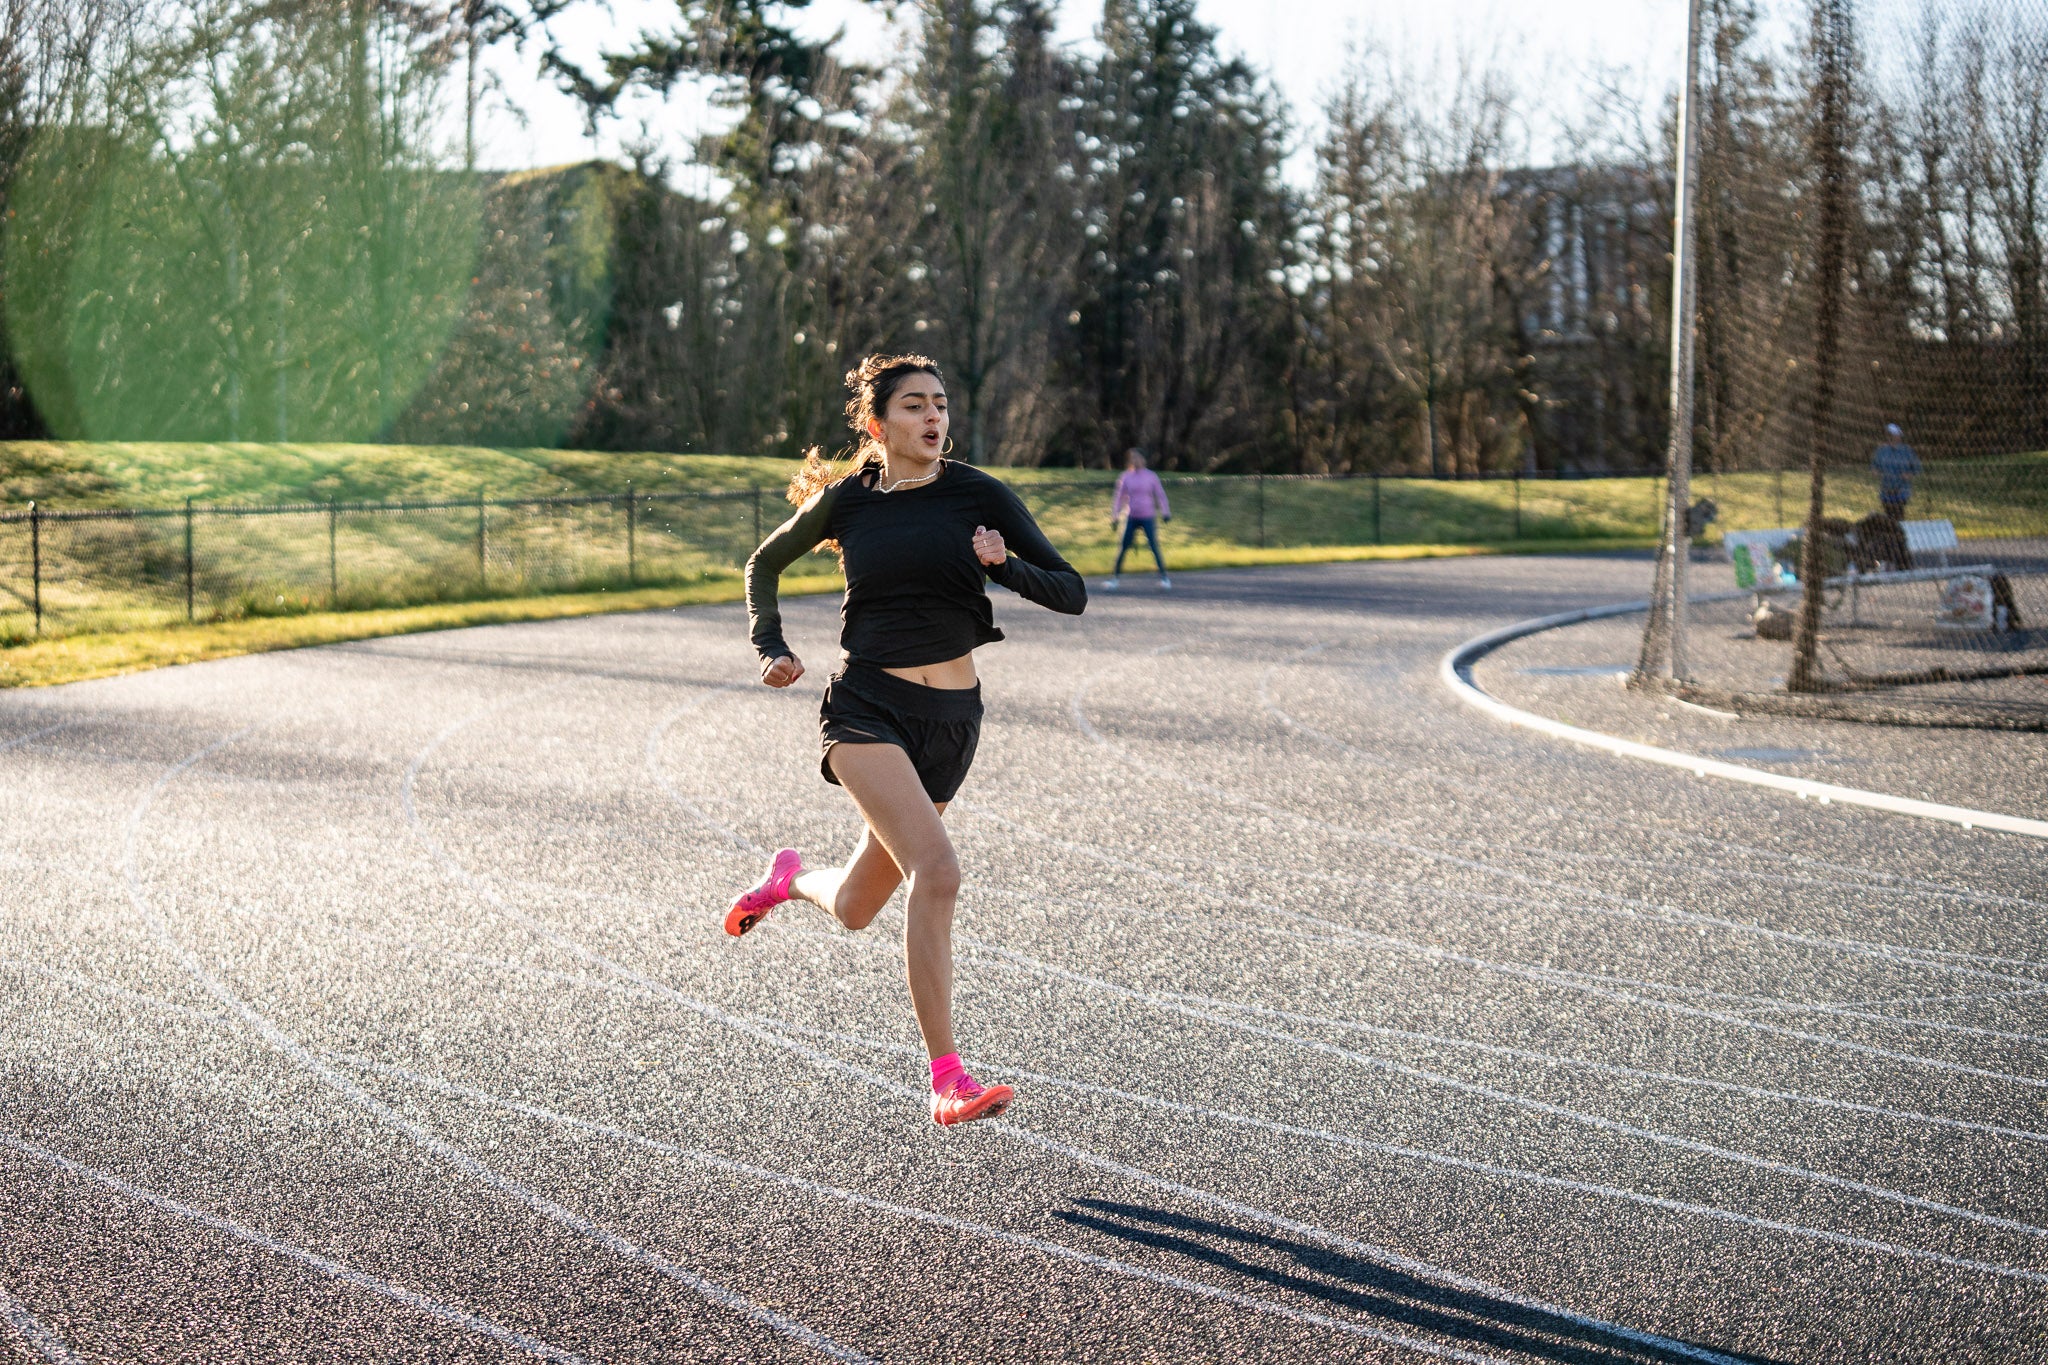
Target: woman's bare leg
853,894
903,821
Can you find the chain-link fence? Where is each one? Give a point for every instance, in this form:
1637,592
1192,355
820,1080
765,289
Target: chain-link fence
1869,249
76,570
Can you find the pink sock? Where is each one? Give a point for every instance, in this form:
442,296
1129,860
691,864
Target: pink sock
945,1071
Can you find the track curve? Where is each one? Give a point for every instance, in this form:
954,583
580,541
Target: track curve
371,1003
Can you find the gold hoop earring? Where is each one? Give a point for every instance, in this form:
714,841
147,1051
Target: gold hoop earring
947,449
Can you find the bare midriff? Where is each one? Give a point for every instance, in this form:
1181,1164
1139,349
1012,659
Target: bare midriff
953,674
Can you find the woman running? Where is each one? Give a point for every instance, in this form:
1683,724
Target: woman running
917,534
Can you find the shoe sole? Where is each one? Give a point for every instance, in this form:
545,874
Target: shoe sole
1000,1099
739,919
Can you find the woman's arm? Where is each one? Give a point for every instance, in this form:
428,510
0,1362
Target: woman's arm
1159,491
785,545
1122,502
1033,570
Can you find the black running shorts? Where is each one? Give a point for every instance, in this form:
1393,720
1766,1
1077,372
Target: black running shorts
938,727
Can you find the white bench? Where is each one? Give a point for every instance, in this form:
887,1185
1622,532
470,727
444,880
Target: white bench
1753,554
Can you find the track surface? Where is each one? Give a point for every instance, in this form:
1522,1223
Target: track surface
371,1003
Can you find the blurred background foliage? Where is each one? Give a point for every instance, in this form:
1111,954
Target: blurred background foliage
246,221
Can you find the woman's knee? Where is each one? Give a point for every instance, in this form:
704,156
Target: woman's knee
936,876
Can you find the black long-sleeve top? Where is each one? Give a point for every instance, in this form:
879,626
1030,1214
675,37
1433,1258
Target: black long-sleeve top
914,587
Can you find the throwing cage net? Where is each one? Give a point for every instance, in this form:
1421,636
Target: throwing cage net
1868,251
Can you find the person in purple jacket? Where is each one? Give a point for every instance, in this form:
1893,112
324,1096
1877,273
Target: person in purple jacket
1141,504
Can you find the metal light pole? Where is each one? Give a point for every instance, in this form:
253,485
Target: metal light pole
1663,656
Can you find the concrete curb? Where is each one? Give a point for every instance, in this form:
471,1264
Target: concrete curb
1456,673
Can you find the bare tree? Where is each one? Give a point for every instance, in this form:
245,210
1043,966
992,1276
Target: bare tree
2007,108
1427,259
994,163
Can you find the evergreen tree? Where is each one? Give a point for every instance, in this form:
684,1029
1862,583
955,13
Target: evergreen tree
1180,330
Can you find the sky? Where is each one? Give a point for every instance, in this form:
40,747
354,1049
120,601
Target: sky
1303,45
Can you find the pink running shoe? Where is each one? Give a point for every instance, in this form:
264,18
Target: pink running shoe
753,906
969,1100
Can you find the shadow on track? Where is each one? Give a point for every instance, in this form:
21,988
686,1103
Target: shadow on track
1378,1290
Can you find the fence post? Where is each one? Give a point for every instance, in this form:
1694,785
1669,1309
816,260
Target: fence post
1260,480
757,514
632,549
1376,538
35,552
333,579
483,574
188,560
1518,504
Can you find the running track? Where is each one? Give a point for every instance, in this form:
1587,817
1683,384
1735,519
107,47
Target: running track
371,1003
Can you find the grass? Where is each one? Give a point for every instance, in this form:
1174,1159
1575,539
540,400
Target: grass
166,473
79,658
114,590
1986,499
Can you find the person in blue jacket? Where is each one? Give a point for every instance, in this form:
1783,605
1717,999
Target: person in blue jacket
1896,467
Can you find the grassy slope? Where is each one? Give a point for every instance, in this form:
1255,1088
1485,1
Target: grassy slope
77,658
165,473
2001,497
1219,522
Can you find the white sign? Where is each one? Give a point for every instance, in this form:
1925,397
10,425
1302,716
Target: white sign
1965,603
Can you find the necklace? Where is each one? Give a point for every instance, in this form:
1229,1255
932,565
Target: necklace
881,487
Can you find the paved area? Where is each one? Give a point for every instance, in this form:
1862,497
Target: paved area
370,1003
1575,673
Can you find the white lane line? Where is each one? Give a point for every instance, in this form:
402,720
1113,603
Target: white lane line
41,1339
334,1269
1321,1236
1546,976
1370,1062
966,1227
1456,673
1848,1010
1349,1141
651,755
1977,997
1625,908
462,1161
1547,1059
1881,883
1486,1168
32,735
1550,1059
851,943
617,987
1907,888
1757,1004
108,988
1541,1059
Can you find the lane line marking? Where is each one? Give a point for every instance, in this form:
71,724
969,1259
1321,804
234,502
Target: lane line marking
1322,1236
333,1269
1762,1004
447,1151
1455,673
1542,976
46,1343
1887,883
20,740
1469,1164
792,1181
1437,1078
1631,907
